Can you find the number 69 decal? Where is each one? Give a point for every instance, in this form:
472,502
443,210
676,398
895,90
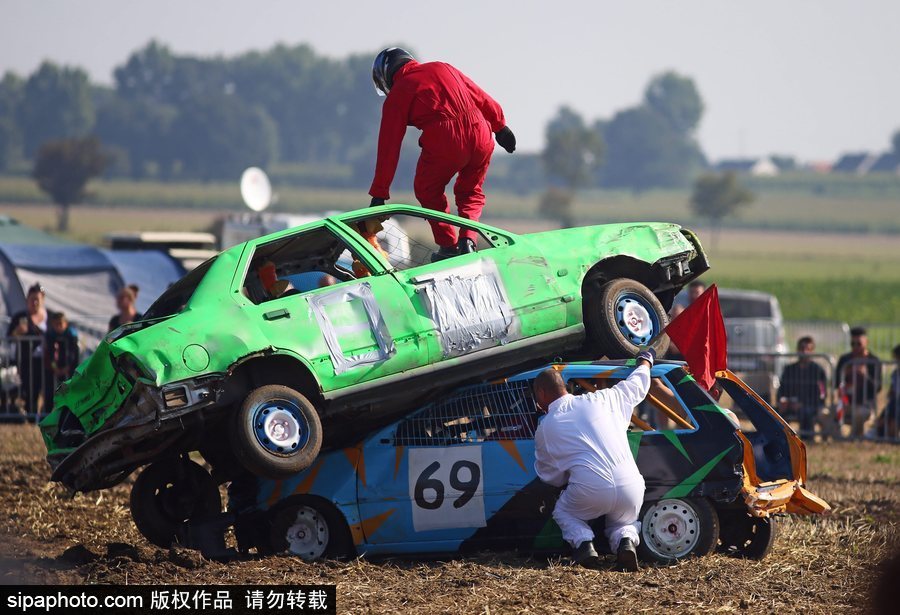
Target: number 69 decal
446,487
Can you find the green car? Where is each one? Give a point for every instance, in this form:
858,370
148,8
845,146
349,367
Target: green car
248,356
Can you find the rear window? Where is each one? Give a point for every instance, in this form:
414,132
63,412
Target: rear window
745,308
178,294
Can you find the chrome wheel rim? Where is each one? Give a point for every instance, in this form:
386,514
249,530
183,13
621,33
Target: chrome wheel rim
307,536
636,320
280,428
671,528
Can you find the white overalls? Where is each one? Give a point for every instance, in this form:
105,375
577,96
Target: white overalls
582,441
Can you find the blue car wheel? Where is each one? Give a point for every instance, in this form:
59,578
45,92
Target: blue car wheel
277,432
310,528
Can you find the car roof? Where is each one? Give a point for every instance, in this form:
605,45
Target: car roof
344,217
586,369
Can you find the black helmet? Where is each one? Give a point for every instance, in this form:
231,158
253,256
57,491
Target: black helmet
386,64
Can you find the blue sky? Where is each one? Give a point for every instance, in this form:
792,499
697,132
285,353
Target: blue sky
802,77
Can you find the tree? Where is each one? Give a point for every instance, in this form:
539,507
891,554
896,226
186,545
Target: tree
645,152
57,104
556,204
717,196
572,156
141,129
676,100
219,136
63,168
895,143
572,152
11,93
653,145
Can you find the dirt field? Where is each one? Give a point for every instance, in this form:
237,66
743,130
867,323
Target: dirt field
818,565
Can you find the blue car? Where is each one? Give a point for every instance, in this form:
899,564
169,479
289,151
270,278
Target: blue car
457,475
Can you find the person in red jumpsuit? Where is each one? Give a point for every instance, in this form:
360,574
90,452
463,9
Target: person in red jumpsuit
456,118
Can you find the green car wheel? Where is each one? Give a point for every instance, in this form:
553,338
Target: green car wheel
623,315
277,432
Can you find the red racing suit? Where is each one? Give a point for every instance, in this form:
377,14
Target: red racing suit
457,119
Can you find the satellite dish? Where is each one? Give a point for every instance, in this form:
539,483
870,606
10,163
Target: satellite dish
256,189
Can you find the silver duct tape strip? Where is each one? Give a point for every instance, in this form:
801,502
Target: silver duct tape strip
318,303
469,308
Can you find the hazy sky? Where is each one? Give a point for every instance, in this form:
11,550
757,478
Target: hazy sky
811,78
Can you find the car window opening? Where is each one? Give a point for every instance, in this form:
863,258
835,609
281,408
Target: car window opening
299,264
743,307
176,297
406,240
661,410
478,414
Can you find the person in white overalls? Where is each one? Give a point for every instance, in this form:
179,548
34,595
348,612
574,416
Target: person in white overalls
582,443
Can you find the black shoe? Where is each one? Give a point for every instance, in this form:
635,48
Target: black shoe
626,556
466,246
444,252
586,555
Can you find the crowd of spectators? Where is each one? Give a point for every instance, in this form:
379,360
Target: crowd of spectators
856,382
42,350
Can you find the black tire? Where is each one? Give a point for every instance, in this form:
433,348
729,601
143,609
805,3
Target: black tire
743,535
603,308
677,528
169,493
294,523
263,456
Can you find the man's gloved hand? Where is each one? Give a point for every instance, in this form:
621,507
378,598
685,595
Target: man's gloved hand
506,139
376,201
647,354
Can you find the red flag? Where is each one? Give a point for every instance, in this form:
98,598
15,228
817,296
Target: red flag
699,333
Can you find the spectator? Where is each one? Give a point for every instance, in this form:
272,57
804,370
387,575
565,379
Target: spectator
889,421
858,380
60,356
125,300
29,326
802,390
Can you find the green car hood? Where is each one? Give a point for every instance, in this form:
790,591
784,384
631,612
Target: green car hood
644,241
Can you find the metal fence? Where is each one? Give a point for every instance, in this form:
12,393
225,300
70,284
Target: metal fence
31,367
823,397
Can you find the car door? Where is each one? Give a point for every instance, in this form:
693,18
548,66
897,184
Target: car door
438,479
349,332
503,293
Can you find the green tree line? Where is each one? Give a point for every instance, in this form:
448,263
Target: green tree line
170,116
174,116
